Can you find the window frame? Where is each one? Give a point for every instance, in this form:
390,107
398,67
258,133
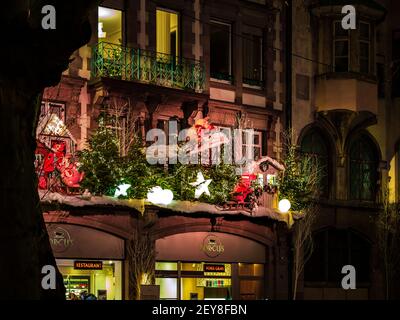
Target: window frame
123,31
337,38
178,33
46,107
327,185
368,42
361,162
253,145
261,65
230,74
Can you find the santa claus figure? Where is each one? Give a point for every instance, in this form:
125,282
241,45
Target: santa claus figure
243,188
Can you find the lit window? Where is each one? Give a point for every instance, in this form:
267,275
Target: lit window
110,25
341,48
220,51
167,23
170,266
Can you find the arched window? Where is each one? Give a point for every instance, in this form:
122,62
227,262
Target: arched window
314,144
334,249
363,174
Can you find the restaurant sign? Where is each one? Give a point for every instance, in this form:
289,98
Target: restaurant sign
60,239
88,265
214,268
212,246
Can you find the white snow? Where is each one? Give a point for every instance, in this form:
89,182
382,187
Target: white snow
140,204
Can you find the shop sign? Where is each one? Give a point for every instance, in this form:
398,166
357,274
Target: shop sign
60,239
214,268
88,265
212,246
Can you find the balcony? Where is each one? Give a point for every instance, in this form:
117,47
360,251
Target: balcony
130,64
349,91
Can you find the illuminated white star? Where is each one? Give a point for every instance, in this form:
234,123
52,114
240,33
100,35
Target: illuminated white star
121,190
202,185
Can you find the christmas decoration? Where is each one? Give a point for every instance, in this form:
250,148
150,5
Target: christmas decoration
244,188
86,195
101,163
122,190
159,196
201,185
177,206
216,184
55,169
69,171
298,183
53,126
179,177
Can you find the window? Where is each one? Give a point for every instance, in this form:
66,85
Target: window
314,145
167,24
363,173
110,25
220,51
194,280
252,60
52,108
256,144
334,249
105,284
364,47
341,48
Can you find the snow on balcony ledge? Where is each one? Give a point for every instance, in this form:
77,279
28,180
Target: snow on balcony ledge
141,205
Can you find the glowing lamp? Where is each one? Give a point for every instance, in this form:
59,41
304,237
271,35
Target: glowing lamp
284,205
158,195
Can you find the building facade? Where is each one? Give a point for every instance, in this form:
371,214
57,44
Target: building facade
230,61
181,61
345,104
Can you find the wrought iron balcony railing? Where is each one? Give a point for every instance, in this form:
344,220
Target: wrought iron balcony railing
118,62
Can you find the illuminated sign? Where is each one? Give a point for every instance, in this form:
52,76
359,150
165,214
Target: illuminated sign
214,268
60,239
212,246
88,265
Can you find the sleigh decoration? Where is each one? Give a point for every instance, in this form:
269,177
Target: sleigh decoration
257,187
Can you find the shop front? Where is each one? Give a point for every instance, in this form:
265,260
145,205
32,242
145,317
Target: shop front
210,266
90,260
